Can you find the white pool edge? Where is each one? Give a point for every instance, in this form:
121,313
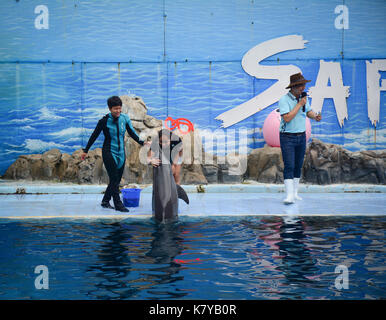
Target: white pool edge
41,188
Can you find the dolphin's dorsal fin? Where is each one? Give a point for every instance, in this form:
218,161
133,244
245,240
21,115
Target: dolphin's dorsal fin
182,194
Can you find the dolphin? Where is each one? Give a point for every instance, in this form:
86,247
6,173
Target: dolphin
166,193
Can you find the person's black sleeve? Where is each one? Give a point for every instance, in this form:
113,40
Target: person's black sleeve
176,142
134,134
94,136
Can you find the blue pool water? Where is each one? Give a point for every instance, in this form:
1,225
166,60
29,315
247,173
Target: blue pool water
195,258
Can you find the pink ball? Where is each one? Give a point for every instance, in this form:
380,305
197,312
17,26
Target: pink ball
271,129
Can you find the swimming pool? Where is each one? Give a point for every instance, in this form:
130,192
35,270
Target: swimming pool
245,257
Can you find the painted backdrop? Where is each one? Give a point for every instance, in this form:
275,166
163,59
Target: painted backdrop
60,60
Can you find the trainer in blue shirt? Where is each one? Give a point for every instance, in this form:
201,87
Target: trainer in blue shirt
294,108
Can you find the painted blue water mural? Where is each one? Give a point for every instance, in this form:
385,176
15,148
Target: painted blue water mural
182,57
55,105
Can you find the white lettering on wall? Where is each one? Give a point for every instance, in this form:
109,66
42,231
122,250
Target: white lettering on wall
328,72
374,88
250,64
41,21
341,21
337,91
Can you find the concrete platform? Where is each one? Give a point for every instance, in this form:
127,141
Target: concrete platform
87,205
42,187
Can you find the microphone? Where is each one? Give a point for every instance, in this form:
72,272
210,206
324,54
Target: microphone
304,94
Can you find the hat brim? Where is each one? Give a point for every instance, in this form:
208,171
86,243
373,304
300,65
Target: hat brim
297,83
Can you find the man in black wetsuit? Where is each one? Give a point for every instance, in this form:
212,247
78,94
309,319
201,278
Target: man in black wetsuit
114,126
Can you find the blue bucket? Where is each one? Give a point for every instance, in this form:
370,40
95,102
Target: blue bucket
131,197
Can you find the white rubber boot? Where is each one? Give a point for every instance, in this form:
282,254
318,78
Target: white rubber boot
296,186
289,190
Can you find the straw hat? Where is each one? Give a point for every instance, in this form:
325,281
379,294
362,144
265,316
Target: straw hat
297,79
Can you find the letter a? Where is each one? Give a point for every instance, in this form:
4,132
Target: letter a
341,281
41,281
341,21
41,21
330,71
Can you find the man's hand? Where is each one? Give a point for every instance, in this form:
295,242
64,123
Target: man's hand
155,162
83,156
316,116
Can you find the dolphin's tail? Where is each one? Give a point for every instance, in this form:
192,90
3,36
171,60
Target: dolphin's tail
182,194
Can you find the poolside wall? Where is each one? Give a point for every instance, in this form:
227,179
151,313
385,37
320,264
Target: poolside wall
61,59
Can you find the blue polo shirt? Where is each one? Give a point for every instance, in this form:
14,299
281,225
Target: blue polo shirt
298,123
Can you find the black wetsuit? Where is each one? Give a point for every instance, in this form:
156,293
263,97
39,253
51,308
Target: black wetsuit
113,151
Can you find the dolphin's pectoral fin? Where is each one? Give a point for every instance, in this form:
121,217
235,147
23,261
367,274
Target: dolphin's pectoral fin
182,194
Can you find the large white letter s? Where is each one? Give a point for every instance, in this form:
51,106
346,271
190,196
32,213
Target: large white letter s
251,65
